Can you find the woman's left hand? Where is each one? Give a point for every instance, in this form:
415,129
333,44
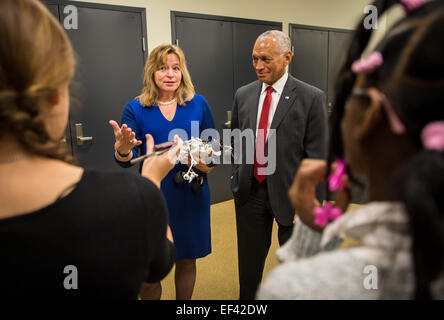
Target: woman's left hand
201,165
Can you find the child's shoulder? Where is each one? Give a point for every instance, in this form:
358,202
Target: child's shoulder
336,274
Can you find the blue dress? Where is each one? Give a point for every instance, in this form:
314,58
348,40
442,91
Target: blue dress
189,211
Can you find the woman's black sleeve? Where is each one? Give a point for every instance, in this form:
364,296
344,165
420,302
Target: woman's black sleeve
162,253
162,262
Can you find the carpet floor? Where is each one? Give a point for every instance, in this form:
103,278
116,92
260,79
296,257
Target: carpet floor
217,274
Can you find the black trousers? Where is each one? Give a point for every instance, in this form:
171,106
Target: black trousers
254,221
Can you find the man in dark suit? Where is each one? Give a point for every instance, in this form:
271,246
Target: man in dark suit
287,122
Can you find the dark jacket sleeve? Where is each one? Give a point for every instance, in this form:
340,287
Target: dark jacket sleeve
161,252
162,262
315,141
234,125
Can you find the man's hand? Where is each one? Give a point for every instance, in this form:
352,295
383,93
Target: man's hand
202,166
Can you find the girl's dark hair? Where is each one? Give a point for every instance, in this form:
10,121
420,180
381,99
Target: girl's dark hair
36,60
412,77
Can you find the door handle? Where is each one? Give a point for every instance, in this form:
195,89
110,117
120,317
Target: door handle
228,123
79,135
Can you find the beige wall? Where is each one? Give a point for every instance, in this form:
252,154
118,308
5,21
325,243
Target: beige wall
341,14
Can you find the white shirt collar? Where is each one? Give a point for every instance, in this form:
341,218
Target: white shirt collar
278,86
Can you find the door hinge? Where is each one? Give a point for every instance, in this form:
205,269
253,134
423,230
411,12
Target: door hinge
143,44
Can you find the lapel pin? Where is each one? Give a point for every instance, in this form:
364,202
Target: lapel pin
287,97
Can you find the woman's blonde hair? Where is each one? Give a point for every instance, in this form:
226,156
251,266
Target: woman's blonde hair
36,61
156,59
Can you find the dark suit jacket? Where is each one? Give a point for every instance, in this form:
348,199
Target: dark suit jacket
300,122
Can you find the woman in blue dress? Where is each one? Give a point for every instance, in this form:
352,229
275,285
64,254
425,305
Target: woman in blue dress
169,106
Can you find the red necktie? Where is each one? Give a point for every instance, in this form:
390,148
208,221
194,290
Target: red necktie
261,138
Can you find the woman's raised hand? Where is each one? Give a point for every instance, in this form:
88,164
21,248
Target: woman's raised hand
201,165
125,138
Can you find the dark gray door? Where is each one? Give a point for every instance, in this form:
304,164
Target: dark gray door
310,64
207,45
109,73
337,46
218,52
244,37
319,53
310,58
54,10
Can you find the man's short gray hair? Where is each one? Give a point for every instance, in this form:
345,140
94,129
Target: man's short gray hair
283,41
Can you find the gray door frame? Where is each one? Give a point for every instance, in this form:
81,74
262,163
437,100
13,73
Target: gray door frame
175,14
304,26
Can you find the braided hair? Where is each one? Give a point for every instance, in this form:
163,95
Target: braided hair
412,77
36,60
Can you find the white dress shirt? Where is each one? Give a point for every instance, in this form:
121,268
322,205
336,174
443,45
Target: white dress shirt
278,87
